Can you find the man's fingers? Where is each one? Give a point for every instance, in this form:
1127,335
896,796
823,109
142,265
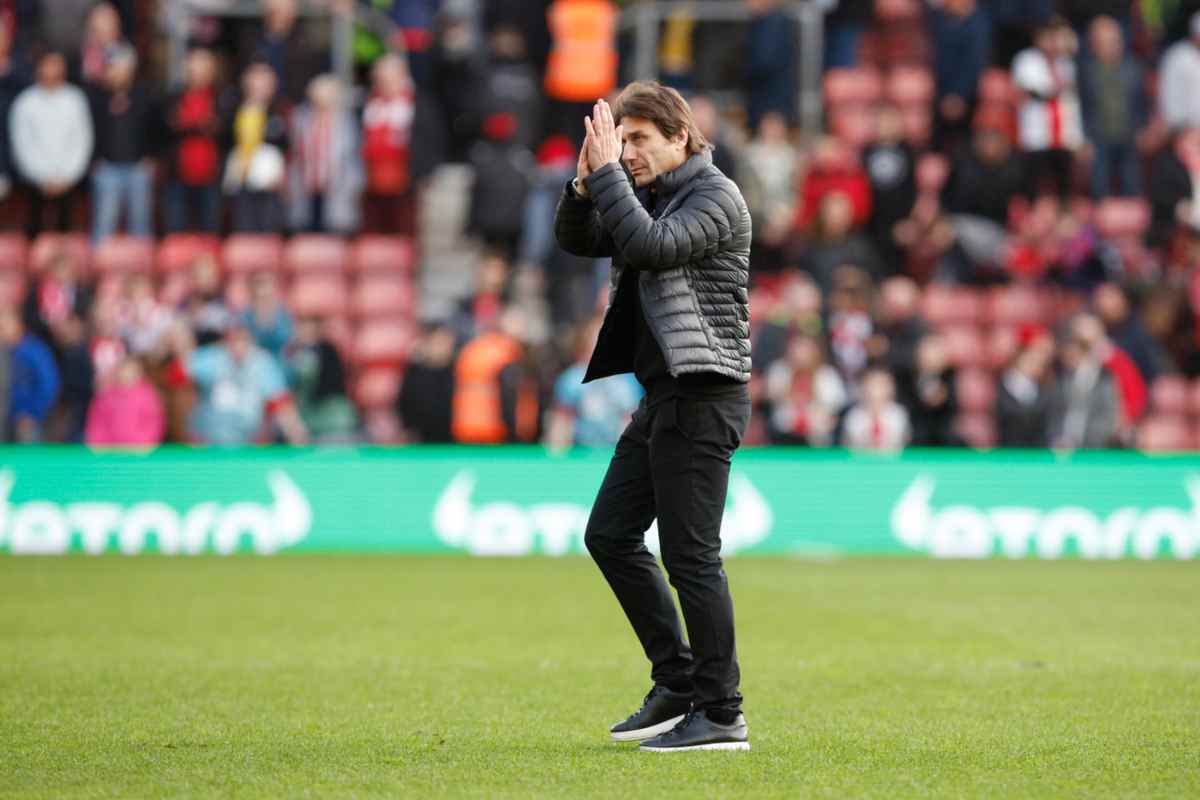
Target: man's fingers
591,132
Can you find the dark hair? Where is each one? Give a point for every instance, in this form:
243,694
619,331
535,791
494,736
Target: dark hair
663,106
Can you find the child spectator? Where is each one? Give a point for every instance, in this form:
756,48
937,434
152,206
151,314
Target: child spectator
126,411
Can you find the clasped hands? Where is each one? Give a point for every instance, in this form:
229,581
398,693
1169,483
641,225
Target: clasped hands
602,144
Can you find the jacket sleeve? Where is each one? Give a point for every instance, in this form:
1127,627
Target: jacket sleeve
703,225
577,226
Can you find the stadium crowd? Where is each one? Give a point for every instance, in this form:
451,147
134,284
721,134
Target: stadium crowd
995,240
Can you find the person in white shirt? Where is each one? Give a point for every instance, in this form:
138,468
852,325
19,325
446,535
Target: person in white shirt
1179,79
877,422
1050,127
50,127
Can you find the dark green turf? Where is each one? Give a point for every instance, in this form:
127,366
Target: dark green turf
348,676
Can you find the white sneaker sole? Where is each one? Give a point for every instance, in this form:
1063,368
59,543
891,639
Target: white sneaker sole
713,746
646,733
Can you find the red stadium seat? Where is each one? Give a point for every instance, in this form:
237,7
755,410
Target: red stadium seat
1017,304
377,387
1169,395
316,253
964,346
1002,345
382,342
1122,217
374,253
977,430
976,391
47,245
252,252
382,296
918,125
855,126
897,10
319,295
947,305
177,251
14,252
237,292
12,288
911,86
843,86
124,254
1164,433
1193,405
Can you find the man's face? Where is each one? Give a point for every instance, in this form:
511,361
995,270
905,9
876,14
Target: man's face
647,152
52,70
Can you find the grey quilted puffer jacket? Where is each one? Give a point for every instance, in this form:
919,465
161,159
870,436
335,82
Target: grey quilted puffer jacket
691,260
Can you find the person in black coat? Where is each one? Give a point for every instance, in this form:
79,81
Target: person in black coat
1023,397
423,404
1171,188
931,397
129,134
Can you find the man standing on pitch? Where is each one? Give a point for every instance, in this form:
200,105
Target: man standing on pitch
678,232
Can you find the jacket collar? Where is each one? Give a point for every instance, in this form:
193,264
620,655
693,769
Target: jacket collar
671,182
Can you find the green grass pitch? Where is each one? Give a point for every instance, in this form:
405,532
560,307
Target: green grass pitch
312,676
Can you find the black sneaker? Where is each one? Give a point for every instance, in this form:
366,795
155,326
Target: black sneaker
662,710
698,732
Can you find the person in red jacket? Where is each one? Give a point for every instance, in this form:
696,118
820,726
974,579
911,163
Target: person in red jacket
834,169
193,197
387,128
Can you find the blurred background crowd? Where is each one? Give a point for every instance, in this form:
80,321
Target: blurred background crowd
990,237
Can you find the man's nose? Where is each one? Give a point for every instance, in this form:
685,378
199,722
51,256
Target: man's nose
627,152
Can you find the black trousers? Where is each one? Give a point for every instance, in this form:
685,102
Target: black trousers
672,462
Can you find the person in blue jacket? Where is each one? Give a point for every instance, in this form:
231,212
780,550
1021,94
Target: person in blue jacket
33,378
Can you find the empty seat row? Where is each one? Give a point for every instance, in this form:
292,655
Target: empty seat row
238,254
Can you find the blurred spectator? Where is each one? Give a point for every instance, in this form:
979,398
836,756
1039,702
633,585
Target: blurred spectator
708,120
891,167
985,180
1132,394
590,414
107,347
102,35
512,85
481,309
257,137
126,411
51,132
428,381
1127,331
1012,23
845,23
771,58
128,137
33,379
267,318
447,115
1115,107
280,41
962,38
144,320
1049,124
582,65
768,183
204,307
504,169
877,421
834,168
387,131
1084,409
797,312
13,78
931,396
492,402
193,123
236,383
1024,393
899,327
56,296
850,324
836,243
1174,181
1179,76
804,394
325,168
318,380
76,376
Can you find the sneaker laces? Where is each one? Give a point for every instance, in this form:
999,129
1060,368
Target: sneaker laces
654,692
